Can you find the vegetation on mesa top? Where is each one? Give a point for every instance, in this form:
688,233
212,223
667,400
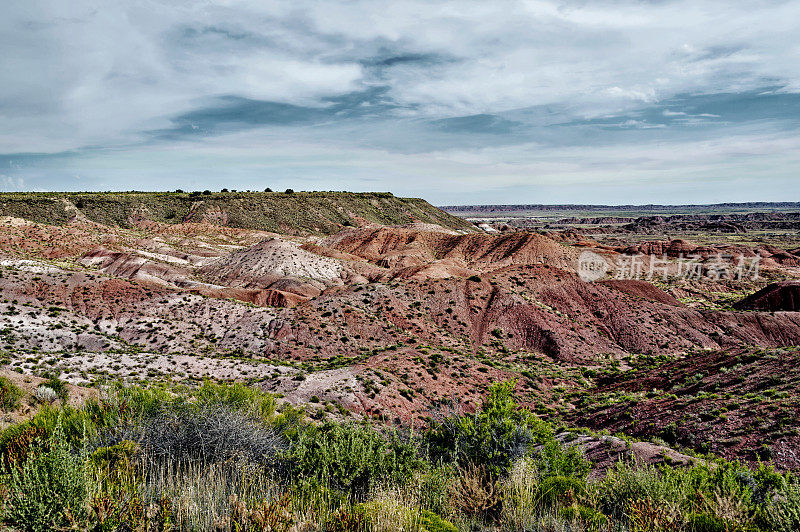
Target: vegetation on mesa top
283,212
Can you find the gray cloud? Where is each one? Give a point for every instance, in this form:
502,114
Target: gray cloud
90,88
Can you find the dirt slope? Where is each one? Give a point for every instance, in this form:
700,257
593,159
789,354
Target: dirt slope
739,403
408,247
385,320
272,257
774,297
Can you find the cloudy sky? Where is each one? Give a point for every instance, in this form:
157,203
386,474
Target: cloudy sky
457,102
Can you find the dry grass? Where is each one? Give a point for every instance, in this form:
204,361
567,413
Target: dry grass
521,495
475,492
223,496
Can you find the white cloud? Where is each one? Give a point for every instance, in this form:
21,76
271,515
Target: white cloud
641,124
10,183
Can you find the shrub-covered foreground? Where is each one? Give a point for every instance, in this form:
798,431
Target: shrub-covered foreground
224,457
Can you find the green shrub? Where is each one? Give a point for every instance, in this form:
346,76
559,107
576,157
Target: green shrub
431,522
782,512
626,483
134,402
555,459
18,440
494,436
109,457
113,463
49,491
137,403
350,457
434,486
290,419
561,490
679,490
10,394
701,522
587,516
238,396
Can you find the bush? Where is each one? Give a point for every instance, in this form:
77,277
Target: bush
627,483
561,490
138,403
555,459
238,396
431,522
45,395
476,492
114,462
725,490
206,433
582,514
433,488
58,386
74,424
700,522
782,512
494,436
49,491
351,458
10,394
135,402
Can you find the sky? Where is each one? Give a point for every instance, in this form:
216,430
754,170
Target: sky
462,102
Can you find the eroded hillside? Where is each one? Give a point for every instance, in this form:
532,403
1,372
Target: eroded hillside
390,320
